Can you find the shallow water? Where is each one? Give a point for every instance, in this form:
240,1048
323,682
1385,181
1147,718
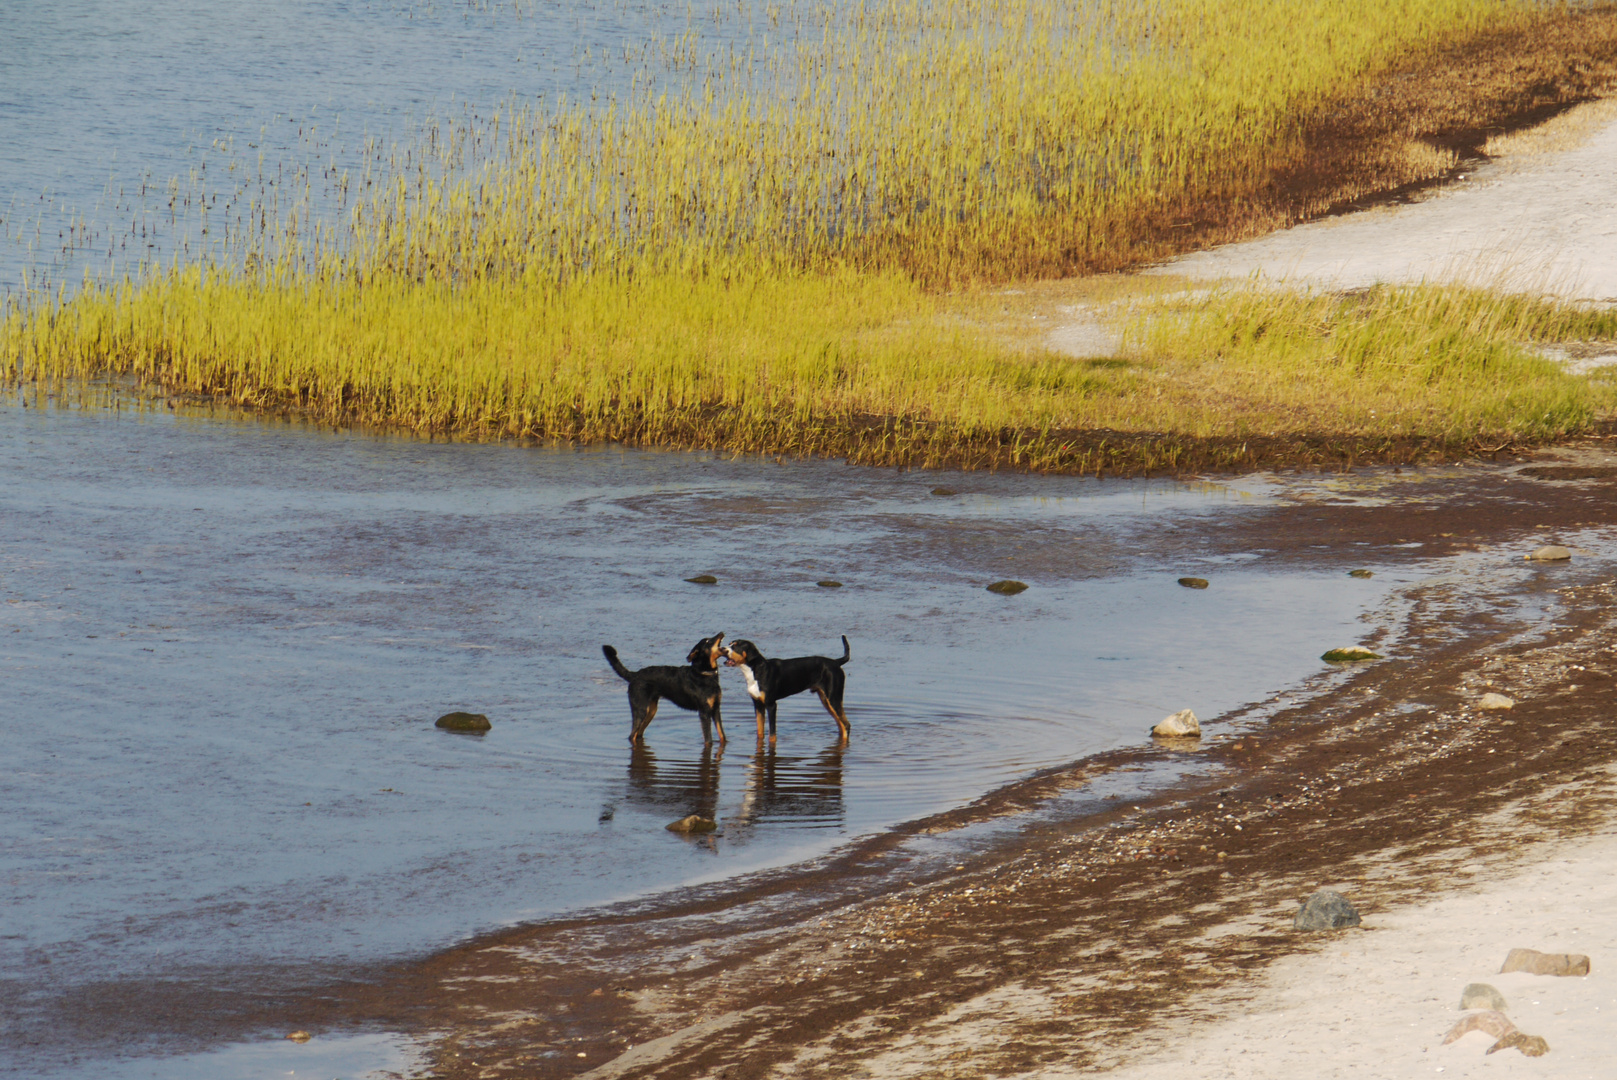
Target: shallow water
225,643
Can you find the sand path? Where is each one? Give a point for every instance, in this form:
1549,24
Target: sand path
1541,215
1377,1002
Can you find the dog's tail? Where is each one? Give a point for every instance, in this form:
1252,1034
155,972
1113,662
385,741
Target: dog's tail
617,665
846,652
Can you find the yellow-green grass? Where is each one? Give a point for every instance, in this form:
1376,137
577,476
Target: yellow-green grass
771,258
869,367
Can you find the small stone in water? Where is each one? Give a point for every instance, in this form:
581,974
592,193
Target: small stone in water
1193,582
1351,654
1360,573
703,579
695,823
829,584
1550,553
299,1036
943,491
1007,587
1181,724
464,721
1492,702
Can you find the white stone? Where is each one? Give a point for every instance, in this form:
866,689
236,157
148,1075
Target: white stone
1180,724
1550,553
1495,701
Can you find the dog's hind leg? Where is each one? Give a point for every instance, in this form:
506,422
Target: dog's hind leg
832,700
718,722
642,710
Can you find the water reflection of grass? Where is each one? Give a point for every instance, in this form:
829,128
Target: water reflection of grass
773,258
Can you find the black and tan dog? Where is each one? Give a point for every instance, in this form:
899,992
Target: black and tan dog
694,686
770,680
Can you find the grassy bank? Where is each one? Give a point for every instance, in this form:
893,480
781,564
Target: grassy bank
790,255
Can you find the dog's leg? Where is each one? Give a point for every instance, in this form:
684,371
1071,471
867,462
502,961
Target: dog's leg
772,706
758,714
718,722
707,727
642,710
834,708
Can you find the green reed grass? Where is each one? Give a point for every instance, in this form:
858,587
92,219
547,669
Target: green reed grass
756,251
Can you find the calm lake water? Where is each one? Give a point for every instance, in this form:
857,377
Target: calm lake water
225,643
103,103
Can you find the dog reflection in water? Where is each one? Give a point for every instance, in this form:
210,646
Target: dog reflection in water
796,788
675,788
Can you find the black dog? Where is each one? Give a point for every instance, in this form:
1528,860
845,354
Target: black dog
694,687
770,680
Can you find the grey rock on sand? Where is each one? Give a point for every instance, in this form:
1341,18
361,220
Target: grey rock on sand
1180,725
475,723
1495,702
1549,553
1530,1045
1536,963
1481,996
1327,909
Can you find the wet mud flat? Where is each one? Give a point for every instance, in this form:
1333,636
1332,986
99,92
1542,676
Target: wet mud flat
1071,919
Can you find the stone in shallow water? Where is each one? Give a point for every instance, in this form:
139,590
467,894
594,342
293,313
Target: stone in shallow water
1193,582
1494,702
1327,909
829,584
1008,587
1537,963
299,1036
1179,725
1360,573
1550,553
695,823
1350,655
703,579
1481,996
473,722
944,492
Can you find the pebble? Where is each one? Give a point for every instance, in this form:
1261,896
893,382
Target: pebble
1536,963
1179,725
703,579
1008,587
473,722
695,823
1193,582
1495,701
299,1036
1360,573
1350,654
1550,553
829,584
944,492
1481,996
1327,909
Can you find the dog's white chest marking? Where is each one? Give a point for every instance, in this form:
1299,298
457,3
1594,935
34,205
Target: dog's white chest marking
752,684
